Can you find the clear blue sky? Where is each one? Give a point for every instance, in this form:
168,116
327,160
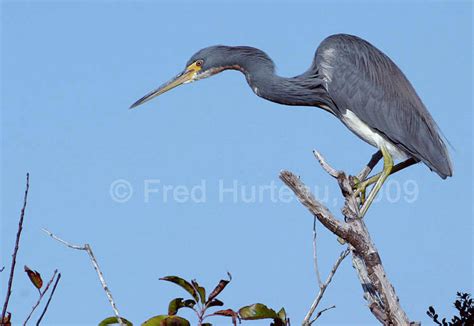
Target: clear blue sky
71,70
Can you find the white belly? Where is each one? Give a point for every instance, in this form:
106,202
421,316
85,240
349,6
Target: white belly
370,136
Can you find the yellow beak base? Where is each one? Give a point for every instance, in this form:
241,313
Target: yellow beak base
183,78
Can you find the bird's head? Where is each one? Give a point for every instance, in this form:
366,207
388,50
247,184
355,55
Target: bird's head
204,63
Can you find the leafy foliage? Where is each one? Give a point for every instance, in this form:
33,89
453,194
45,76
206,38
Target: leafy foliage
260,311
183,283
200,290
178,303
201,305
34,277
464,304
164,320
219,288
6,320
114,321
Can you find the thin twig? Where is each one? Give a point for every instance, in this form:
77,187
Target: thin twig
87,248
15,250
49,299
315,255
2,269
42,293
329,169
323,288
102,281
316,208
321,312
67,244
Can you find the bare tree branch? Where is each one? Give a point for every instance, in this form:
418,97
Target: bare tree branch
321,312
378,291
329,169
314,206
49,299
41,294
87,248
15,250
315,255
322,289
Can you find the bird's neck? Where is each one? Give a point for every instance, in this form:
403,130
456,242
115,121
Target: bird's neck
306,89
296,91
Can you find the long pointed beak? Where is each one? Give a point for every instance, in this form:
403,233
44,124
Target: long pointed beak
180,79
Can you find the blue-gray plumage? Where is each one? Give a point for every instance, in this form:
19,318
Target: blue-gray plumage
349,78
362,79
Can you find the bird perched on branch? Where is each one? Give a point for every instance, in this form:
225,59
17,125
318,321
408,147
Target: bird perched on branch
352,80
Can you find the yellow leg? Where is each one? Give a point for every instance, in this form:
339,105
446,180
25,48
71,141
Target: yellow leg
361,185
378,179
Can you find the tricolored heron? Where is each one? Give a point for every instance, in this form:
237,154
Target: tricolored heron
349,78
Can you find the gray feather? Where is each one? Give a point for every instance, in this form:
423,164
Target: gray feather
362,79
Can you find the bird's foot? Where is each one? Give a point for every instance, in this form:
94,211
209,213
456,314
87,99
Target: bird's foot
359,187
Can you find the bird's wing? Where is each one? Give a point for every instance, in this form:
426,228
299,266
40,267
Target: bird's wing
362,79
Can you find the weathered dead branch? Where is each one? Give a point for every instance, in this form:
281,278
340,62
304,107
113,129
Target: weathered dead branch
378,291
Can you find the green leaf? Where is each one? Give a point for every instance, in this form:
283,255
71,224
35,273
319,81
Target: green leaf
215,303
114,321
178,303
282,314
183,283
189,303
174,305
219,288
257,311
165,320
200,290
229,313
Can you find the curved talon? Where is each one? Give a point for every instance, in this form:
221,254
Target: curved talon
362,194
378,179
355,181
360,188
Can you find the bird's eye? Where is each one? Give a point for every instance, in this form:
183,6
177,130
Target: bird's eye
199,63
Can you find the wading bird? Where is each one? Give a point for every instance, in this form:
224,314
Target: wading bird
349,78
